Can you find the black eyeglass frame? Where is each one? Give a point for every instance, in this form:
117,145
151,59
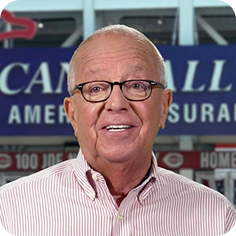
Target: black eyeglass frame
151,82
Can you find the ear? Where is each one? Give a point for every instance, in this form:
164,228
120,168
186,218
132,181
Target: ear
165,104
69,107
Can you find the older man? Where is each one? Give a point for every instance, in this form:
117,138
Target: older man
114,187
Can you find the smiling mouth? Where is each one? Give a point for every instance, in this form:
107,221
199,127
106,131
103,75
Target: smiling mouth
117,128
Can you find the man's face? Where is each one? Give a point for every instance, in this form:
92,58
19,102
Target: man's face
116,58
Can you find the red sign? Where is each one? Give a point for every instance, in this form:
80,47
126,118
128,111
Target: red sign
196,160
35,161
28,31
32,161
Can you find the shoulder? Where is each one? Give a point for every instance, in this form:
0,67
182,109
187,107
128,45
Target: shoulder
170,177
194,200
181,187
45,176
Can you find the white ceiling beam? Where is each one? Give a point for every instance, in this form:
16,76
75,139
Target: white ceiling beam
73,38
133,4
7,43
77,5
175,29
186,22
45,5
186,37
88,18
210,31
210,3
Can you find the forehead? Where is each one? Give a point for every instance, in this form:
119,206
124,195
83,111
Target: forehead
116,53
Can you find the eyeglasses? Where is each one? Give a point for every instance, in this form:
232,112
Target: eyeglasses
133,90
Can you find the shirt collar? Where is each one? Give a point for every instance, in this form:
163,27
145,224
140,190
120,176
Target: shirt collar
81,164
83,169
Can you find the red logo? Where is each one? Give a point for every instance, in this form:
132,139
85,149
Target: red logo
5,161
28,31
173,160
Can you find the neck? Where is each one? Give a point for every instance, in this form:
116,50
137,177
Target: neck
122,178
121,172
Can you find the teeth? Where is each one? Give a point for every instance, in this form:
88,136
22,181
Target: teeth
117,127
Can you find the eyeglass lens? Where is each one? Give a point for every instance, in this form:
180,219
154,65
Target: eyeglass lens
133,90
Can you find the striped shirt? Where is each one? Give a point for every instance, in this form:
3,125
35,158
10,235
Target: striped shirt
71,199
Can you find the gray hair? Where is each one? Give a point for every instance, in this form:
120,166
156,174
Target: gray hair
121,30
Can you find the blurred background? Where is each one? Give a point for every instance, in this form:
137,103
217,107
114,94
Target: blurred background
197,39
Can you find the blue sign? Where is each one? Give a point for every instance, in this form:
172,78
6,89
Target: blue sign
204,84
202,78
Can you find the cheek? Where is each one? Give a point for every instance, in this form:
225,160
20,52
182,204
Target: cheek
149,113
86,120
152,120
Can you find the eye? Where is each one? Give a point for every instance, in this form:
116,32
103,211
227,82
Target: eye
138,85
96,88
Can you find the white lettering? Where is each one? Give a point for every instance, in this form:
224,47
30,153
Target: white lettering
213,160
224,160
169,76
26,161
5,75
193,117
32,114
14,115
217,73
64,71
37,114
188,85
233,159
207,110
218,160
173,116
62,115
50,159
204,159
49,114
223,113
45,81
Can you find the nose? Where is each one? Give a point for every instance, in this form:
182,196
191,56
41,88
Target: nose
116,102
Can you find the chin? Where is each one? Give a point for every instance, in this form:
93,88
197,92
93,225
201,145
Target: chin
118,155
